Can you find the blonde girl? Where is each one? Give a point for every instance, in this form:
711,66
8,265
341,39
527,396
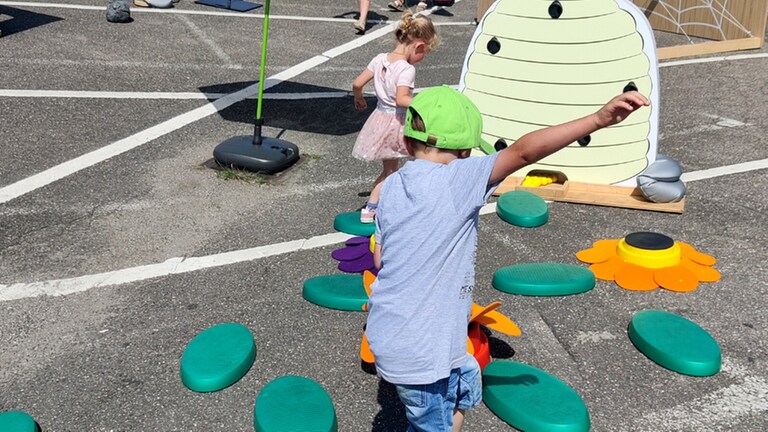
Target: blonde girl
393,76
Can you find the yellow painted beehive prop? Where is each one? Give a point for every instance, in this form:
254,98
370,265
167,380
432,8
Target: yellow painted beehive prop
527,69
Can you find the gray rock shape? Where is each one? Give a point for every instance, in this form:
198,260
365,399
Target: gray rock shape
160,3
664,169
118,11
660,182
661,191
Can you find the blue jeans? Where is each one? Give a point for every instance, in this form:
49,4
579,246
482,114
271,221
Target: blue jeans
429,407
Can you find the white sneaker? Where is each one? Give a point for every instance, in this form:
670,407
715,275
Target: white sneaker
367,215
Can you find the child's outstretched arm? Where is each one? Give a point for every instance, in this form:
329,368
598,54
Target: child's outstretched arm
357,88
536,145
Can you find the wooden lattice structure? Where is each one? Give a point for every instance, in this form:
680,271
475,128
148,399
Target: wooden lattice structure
730,25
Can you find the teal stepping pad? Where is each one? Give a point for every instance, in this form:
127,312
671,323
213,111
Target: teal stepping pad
543,279
522,209
338,291
675,343
531,399
294,404
350,223
17,421
217,357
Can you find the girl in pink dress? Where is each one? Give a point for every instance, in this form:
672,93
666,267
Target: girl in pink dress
393,77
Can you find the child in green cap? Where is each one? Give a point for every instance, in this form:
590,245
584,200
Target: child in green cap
426,239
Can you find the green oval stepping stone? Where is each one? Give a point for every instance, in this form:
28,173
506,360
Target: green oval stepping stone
294,404
17,421
350,223
338,291
531,399
543,279
217,357
675,342
522,208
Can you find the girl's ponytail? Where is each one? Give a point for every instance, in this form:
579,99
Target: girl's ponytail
413,27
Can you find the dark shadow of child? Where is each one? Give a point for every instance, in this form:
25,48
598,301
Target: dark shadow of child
391,417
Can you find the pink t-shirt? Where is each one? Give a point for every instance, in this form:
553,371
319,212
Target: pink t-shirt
388,76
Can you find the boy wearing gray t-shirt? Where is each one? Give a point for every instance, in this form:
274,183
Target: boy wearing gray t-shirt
426,240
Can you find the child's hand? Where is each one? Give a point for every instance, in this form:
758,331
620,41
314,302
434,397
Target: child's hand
360,103
619,108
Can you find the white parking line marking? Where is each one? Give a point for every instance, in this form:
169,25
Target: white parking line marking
172,266
58,287
220,53
722,122
725,170
594,336
714,59
749,396
65,169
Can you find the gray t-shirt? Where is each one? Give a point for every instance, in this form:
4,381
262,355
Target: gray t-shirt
426,223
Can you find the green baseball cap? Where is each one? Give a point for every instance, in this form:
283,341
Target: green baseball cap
451,120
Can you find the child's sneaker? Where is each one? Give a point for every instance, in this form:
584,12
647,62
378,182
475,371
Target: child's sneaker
367,214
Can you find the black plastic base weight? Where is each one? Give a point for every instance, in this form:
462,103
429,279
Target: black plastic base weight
235,5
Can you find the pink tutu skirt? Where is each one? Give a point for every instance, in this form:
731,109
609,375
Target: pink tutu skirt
381,136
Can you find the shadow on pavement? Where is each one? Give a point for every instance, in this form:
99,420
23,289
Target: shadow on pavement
391,417
22,20
332,115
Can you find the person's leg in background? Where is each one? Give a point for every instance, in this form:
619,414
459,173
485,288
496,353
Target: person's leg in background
368,212
363,6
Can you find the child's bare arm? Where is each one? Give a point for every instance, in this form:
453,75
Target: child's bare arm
538,144
357,88
377,256
404,98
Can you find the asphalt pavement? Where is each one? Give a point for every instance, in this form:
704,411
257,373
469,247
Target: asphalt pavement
119,243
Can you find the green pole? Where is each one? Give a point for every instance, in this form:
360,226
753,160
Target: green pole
263,58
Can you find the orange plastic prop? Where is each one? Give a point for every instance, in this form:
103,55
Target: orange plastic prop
478,310
635,267
497,321
703,273
601,251
606,270
368,279
678,279
696,256
635,278
365,351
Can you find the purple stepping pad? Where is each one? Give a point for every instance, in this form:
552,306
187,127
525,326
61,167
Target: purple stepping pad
359,265
358,240
350,253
